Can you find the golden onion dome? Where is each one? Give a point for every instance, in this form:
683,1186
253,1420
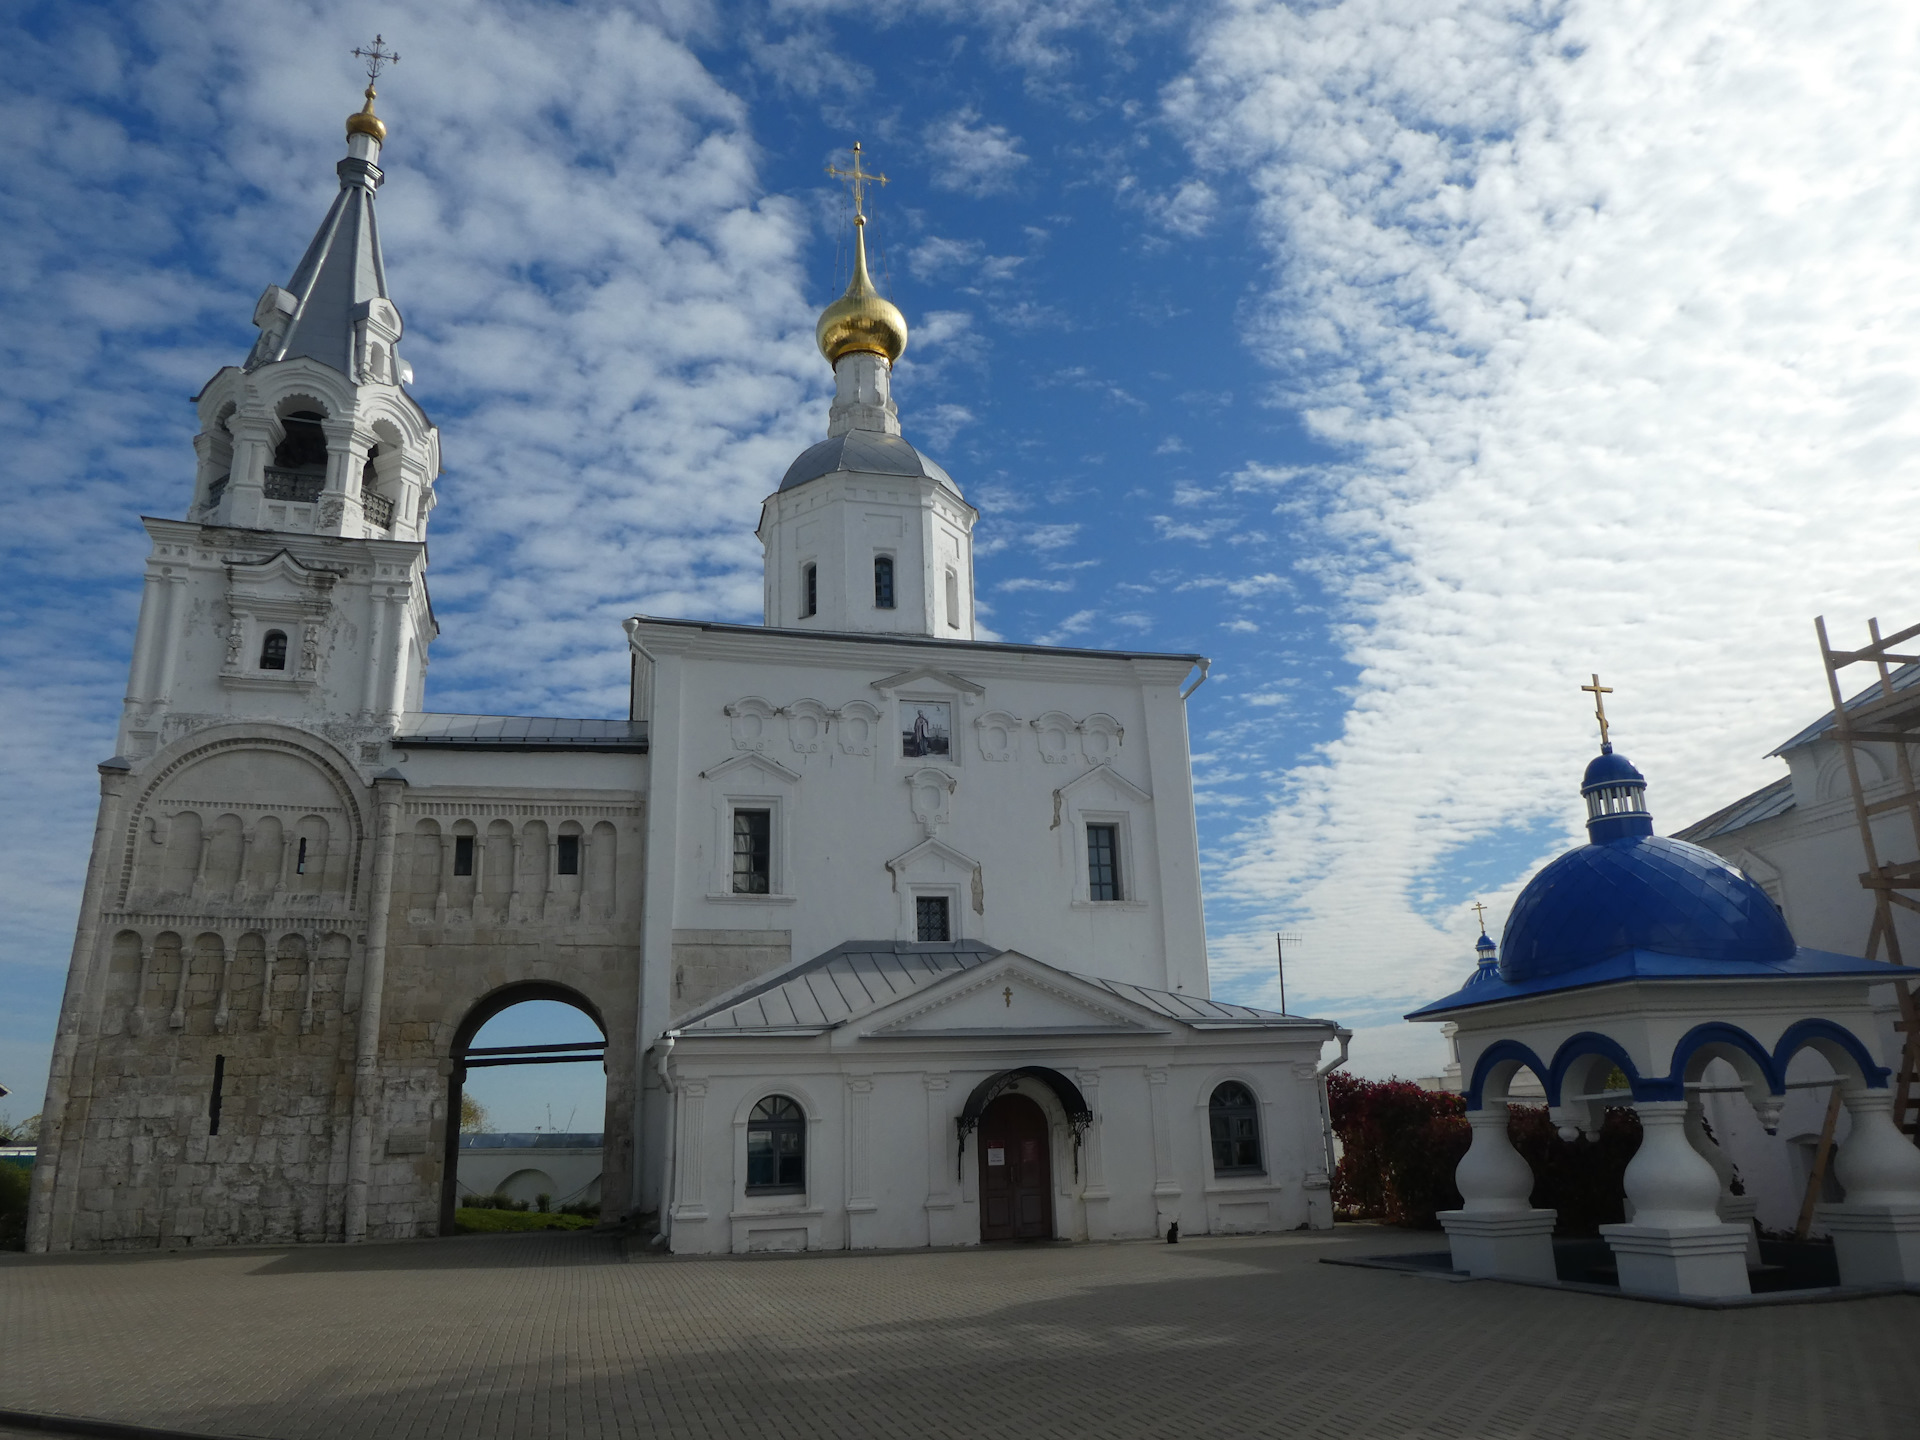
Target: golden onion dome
861,319
364,122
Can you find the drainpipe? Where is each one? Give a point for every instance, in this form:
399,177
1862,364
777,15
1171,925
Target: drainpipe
663,1049
1204,666
1345,1037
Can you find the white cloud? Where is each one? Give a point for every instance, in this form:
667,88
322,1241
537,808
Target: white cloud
1077,623
972,156
1028,582
1609,308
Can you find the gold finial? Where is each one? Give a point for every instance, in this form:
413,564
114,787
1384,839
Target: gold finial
861,319
1597,690
364,121
1481,911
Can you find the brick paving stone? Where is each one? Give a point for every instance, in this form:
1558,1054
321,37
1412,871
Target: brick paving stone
1213,1339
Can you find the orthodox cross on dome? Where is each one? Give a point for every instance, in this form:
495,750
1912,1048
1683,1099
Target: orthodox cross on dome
1481,912
376,58
857,181
1597,690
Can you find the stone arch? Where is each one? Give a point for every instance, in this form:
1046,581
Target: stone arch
493,1003
1593,1048
1852,1061
1493,1072
149,813
1716,1040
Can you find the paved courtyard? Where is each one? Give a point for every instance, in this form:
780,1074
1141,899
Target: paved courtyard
557,1335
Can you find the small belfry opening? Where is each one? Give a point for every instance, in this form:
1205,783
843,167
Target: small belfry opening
526,1106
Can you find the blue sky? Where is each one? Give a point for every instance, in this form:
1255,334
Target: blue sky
1413,359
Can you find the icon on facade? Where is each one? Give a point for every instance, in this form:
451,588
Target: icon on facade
926,729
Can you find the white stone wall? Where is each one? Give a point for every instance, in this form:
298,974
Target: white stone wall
884,1170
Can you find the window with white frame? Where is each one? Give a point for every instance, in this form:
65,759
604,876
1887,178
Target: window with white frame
752,851
1103,861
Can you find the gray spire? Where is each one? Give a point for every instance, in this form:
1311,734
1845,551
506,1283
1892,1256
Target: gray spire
340,274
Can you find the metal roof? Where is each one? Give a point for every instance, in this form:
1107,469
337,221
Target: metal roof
341,271
866,452
1905,678
861,975
420,729
1763,804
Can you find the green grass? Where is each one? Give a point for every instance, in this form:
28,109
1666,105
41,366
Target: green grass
489,1222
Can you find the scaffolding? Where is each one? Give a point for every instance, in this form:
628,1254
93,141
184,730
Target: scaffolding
1884,714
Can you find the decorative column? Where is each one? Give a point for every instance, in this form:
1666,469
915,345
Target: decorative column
367,1099
221,1010
1094,1193
178,1017
940,1152
254,438
513,878
1676,1243
1166,1189
1876,1231
341,503
1731,1208
137,1013
1497,1232
861,1205
689,1204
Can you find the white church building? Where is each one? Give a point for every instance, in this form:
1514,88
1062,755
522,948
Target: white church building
893,935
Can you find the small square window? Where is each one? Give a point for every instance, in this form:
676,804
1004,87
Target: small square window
1103,862
752,852
463,855
567,855
930,918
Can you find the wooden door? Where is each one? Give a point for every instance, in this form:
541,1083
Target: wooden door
1016,1171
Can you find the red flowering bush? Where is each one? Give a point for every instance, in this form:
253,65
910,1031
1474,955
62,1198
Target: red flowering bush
1400,1145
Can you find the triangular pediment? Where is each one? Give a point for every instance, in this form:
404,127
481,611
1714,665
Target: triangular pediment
752,760
1012,995
927,675
931,856
1104,774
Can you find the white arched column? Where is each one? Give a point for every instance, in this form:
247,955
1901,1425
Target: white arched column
1876,1231
1496,1232
1731,1208
1676,1243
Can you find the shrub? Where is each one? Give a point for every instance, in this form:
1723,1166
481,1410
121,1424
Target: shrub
1401,1144
590,1212
14,1183
543,1202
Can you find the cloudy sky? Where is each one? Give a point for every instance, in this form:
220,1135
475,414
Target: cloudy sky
1412,358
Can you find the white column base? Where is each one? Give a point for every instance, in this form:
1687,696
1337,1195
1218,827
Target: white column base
1707,1261
1739,1210
1501,1244
1875,1244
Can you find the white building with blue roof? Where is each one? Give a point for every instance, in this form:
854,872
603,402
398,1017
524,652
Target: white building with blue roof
1645,961
892,935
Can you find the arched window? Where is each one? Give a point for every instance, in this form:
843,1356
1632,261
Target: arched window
776,1148
273,651
1234,1121
304,446
883,582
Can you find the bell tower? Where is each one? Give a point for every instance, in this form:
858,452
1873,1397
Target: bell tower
865,533
294,590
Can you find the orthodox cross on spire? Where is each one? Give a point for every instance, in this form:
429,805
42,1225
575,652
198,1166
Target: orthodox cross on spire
1480,911
857,181
1597,690
377,58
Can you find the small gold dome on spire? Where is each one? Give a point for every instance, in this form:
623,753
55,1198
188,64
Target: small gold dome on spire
364,122
861,319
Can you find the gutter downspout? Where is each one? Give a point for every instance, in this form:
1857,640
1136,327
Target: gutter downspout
1205,666
1345,1037
663,1237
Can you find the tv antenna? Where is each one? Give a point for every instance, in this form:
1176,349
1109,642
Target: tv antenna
1280,943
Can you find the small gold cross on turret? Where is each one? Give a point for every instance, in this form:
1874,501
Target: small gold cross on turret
1481,911
857,181
1599,705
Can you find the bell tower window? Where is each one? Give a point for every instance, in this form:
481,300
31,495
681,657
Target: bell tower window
273,651
883,582
809,590
299,468
953,600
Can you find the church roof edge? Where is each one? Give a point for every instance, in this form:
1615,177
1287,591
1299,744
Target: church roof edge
719,627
